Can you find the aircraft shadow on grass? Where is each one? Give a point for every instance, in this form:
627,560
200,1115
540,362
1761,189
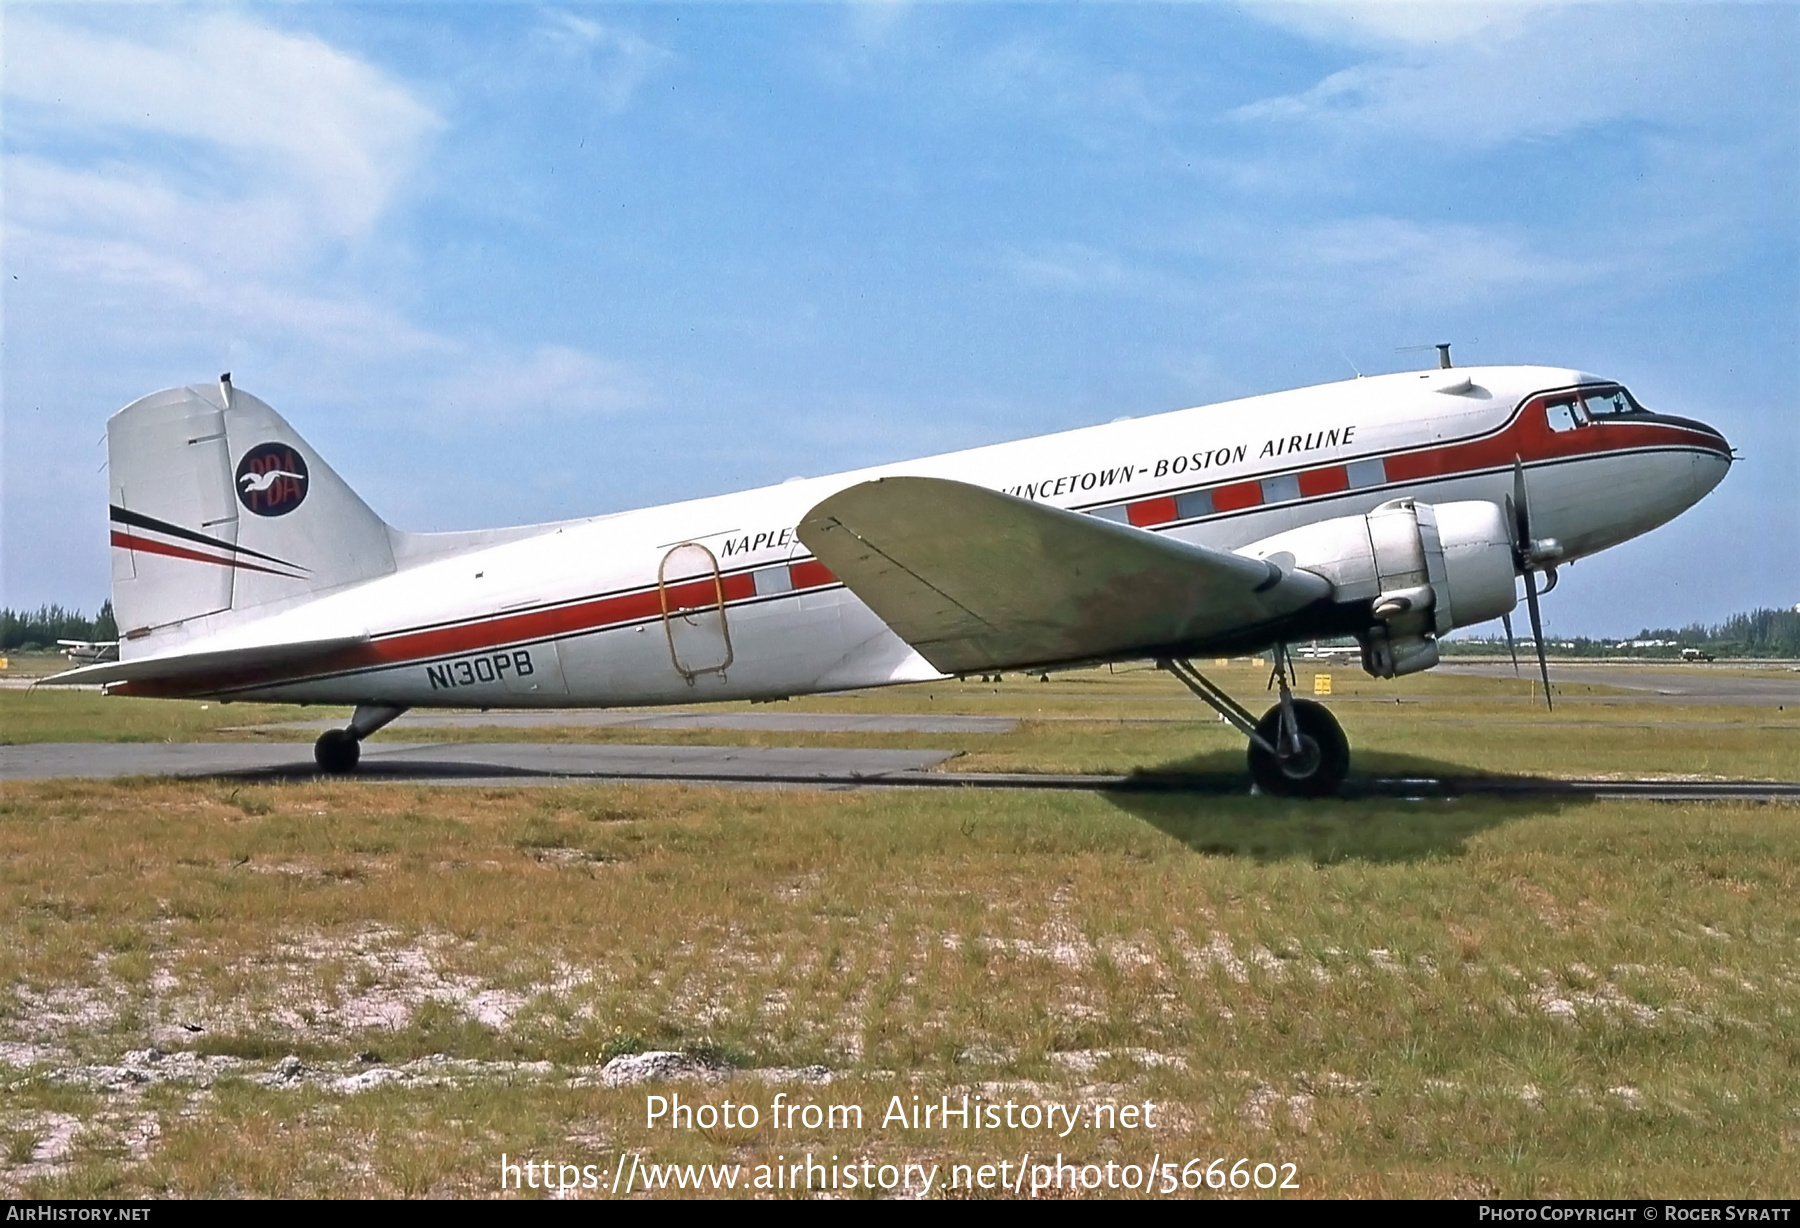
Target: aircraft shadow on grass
421,771
1395,808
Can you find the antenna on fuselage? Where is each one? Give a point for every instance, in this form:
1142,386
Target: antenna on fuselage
1442,348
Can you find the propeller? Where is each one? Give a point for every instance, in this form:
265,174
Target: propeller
1511,646
1524,548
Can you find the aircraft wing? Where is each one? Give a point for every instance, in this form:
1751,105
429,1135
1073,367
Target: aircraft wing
176,666
974,579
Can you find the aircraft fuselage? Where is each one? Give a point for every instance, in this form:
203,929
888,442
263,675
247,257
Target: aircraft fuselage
718,599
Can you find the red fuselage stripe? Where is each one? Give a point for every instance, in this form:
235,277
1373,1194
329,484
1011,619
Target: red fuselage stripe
1527,436
578,618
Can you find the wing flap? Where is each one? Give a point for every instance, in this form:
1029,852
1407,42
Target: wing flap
974,579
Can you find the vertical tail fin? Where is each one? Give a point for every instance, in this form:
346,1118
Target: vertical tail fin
220,508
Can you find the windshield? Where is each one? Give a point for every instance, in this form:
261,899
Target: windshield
1566,411
1611,402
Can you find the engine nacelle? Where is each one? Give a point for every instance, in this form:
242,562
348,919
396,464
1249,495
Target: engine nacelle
1424,569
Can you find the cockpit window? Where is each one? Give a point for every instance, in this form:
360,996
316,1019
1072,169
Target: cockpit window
1568,411
1565,413
1603,403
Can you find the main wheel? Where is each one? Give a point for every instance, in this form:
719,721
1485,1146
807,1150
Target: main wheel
1320,766
336,752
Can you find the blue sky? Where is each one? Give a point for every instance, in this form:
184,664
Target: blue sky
508,263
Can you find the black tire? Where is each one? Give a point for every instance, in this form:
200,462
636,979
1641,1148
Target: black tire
336,752
1322,764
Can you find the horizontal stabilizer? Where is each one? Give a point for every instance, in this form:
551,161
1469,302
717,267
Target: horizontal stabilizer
175,666
974,579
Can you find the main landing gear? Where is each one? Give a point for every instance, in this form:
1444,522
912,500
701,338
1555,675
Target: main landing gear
1297,749
338,750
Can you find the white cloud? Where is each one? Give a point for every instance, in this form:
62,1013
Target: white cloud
1084,269
285,150
133,203
1483,76
618,61
1338,262
1385,22
1033,72
1640,128
1425,265
192,178
278,106
548,382
200,192
874,20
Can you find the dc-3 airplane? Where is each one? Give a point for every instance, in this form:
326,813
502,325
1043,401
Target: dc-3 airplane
1393,508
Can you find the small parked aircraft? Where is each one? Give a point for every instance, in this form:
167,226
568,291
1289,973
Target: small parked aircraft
1392,509
86,652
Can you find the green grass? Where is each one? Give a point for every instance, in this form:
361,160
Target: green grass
1517,997
1400,998
19,1146
54,714
1096,721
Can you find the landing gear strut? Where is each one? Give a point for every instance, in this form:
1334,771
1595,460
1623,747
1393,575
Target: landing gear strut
338,750
1297,749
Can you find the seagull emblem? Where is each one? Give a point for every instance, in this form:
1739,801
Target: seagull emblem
271,478
256,483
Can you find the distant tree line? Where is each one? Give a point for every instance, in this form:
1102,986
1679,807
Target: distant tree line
25,630
1760,633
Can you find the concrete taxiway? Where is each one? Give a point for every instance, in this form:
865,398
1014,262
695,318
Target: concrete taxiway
1694,684
468,762
529,764
770,722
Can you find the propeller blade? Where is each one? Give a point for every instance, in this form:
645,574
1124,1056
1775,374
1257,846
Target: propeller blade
1520,505
1537,633
1511,645
1521,510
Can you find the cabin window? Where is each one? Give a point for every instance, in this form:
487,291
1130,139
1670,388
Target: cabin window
1371,472
1194,504
1283,489
772,580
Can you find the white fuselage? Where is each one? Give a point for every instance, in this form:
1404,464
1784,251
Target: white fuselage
717,598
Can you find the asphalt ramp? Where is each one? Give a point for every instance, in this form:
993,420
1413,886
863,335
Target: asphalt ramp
467,762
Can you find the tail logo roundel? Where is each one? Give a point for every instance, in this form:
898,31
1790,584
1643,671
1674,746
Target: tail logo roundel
271,479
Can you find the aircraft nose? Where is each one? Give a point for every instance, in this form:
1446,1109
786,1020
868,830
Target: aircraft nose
1700,433
1712,462
1716,441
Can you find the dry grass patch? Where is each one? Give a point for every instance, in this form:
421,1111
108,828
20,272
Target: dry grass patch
1519,997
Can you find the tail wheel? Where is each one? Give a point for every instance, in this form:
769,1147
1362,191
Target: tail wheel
337,752
1321,763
